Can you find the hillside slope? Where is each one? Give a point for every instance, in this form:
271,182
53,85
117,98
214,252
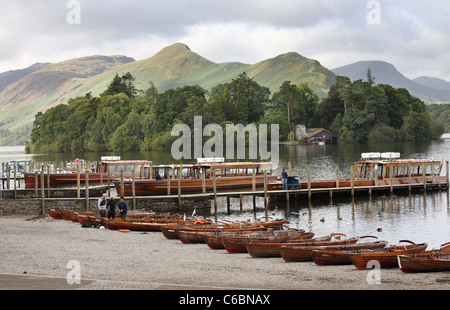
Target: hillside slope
174,66
386,73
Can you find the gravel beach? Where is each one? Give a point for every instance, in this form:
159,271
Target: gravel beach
36,253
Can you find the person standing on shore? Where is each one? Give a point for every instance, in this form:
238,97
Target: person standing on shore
284,175
111,207
102,205
123,208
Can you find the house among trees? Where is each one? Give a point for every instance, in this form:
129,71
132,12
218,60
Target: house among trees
315,135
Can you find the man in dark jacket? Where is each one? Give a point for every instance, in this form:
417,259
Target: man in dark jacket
123,208
284,175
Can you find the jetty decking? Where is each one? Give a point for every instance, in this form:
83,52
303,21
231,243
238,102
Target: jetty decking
90,194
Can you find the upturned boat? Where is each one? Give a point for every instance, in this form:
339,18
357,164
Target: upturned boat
387,258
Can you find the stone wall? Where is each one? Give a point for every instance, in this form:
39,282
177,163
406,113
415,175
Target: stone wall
33,206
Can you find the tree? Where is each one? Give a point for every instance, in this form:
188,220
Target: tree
370,78
124,84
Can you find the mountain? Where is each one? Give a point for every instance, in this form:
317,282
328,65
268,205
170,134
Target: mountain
174,66
12,76
433,82
386,73
46,86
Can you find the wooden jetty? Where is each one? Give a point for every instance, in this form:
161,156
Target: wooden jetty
419,179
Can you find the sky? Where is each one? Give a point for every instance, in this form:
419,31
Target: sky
410,34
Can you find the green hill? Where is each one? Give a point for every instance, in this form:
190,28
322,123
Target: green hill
174,66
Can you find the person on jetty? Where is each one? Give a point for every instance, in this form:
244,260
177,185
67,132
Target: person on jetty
111,207
284,175
102,205
123,208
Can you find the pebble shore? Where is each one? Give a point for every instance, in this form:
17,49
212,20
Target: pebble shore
43,248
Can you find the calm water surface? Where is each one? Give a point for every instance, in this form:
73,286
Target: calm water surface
413,216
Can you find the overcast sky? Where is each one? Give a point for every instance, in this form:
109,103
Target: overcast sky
411,34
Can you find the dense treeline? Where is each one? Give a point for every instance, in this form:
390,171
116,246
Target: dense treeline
123,118
362,111
441,113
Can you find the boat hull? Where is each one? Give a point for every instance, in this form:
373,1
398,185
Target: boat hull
153,187
435,262
386,259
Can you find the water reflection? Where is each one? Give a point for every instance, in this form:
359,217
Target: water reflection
415,216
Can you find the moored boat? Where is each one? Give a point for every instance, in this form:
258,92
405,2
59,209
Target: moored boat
387,258
301,253
108,167
198,178
272,249
376,169
237,244
434,262
171,232
55,213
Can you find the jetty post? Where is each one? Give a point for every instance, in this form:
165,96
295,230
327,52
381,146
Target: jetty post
337,176
78,181
86,184
266,205
168,181
133,189
36,183
409,177
446,173
180,176
122,185
423,178
42,191
308,172
215,191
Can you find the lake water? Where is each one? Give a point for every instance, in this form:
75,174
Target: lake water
419,217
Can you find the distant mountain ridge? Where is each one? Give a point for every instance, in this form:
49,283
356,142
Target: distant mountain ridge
174,66
386,73
27,91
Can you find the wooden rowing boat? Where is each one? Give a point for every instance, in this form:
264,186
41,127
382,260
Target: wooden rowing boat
272,249
197,236
301,253
171,232
426,261
324,257
65,215
387,258
55,213
435,262
115,224
237,244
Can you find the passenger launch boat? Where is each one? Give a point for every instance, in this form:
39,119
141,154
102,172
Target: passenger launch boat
376,169
198,178
109,167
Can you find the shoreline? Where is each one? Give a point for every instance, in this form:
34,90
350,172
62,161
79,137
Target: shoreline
39,250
